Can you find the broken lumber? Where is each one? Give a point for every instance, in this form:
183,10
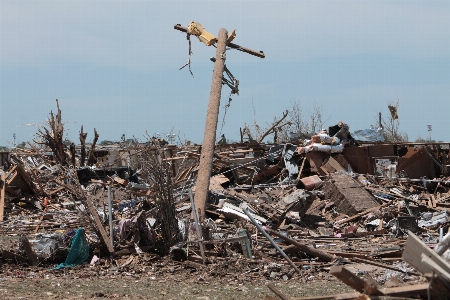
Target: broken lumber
443,245
277,292
362,213
98,224
321,255
381,265
271,241
435,267
406,291
345,296
40,220
387,293
361,285
415,248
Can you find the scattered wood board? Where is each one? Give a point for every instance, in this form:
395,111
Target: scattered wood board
350,279
414,248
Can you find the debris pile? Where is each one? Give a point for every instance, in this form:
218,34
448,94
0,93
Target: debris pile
366,213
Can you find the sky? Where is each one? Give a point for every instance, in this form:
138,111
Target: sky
114,65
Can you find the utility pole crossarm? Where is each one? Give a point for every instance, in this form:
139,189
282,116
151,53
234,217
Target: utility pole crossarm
259,54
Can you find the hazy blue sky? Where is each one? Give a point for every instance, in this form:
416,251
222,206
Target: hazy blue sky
113,65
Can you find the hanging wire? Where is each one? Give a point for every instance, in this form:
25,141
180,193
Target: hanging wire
225,113
188,37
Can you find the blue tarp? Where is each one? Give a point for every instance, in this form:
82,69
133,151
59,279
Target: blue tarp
78,253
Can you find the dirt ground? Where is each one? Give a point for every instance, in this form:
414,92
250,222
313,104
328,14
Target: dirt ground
130,288
90,282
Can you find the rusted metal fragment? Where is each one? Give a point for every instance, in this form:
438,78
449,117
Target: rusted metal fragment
349,196
358,157
381,150
418,165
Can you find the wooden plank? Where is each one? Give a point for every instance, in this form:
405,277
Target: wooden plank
443,245
350,279
79,193
57,190
364,233
349,254
2,196
414,248
428,261
345,296
380,226
119,180
40,220
277,292
36,178
362,213
98,223
407,290
334,163
12,173
26,179
381,265
229,240
321,255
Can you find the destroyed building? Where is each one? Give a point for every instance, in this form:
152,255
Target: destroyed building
328,203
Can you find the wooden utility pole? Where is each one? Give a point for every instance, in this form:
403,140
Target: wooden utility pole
212,116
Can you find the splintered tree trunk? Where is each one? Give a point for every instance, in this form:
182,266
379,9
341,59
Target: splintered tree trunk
83,136
92,159
58,133
72,153
53,138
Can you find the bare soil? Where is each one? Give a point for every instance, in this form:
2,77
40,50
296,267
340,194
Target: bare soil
171,282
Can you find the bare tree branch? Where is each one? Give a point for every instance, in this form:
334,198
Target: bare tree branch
273,127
